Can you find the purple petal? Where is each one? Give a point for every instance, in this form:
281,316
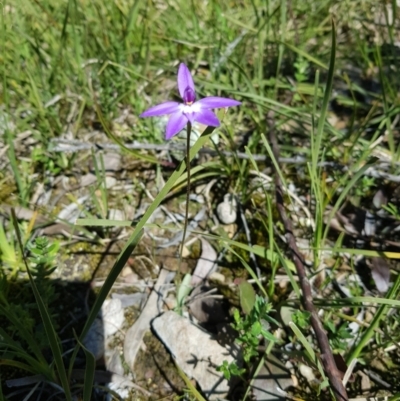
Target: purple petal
206,117
161,109
214,102
185,80
176,123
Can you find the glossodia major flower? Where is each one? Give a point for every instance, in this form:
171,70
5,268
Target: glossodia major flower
189,111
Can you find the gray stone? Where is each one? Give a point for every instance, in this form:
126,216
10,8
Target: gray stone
271,381
113,362
108,322
94,340
195,352
136,299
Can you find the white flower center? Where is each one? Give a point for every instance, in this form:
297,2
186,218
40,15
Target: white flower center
190,108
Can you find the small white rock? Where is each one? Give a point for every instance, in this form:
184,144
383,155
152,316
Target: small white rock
307,373
112,161
113,316
227,210
110,181
88,179
116,214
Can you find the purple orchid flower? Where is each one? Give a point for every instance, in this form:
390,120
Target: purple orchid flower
189,111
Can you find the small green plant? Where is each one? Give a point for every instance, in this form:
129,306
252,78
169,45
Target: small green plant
28,337
42,258
393,210
301,319
253,327
18,305
366,183
10,256
337,335
302,67
42,264
53,164
230,369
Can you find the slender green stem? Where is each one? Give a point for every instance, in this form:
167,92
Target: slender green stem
188,130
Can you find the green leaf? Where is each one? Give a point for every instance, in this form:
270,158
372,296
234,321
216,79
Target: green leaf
301,318
256,329
247,296
268,336
183,290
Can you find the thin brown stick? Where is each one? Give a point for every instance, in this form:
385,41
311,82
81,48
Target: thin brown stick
327,359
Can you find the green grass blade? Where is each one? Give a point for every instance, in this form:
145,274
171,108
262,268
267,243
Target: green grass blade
103,223
8,253
32,365
306,55
90,368
355,301
378,316
350,184
309,350
190,385
51,334
281,45
19,366
274,161
250,271
105,289
327,95
131,20
365,252
27,336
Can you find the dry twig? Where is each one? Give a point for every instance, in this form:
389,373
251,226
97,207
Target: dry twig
327,359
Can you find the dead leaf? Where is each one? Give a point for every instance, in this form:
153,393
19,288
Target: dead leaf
206,263
380,199
380,272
